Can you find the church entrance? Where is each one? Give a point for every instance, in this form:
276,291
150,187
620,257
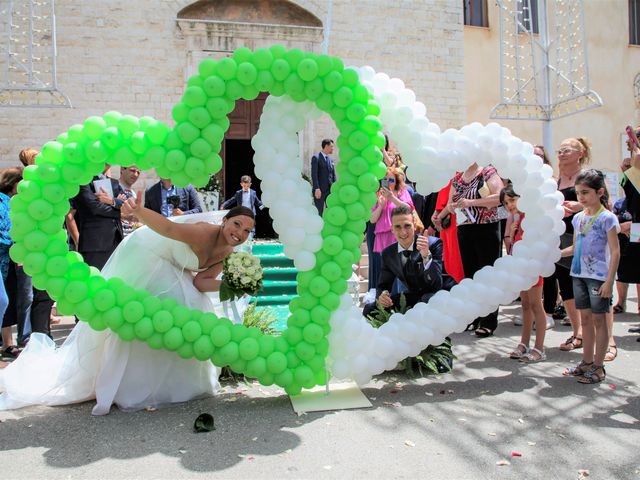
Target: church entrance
237,157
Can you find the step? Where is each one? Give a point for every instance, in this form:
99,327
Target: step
259,249
279,274
277,261
273,300
271,287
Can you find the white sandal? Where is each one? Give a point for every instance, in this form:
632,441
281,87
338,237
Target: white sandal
517,354
529,356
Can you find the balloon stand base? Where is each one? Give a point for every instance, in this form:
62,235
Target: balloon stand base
339,396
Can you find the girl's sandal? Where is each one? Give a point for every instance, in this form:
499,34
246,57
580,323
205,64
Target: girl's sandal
618,308
578,370
520,350
595,374
533,356
612,353
571,343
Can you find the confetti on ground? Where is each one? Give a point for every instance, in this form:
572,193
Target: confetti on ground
498,414
428,394
393,404
462,419
520,420
502,463
491,434
516,454
231,399
150,409
409,443
531,444
583,474
612,387
327,467
182,451
561,435
254,439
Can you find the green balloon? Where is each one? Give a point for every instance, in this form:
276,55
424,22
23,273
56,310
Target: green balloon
143,329
162,321
235,90
307,69
256,367
320,314
336,216
294,57
293,84
126,332
186,351
300,318
187,132
133,311
264,80
127,125
230,353
104,300
276,363
266,344
284,378
113,318
343,97
247,73
227,68
280,69
238,333
248,348
203,348
207,67
191,331
312,334
303,375
242,54
172,338
319,286
333,81
75,292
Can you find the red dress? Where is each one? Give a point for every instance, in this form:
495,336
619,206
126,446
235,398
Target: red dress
449,237
517,237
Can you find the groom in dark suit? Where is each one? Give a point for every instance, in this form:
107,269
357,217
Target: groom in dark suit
97,215
323,174
415,259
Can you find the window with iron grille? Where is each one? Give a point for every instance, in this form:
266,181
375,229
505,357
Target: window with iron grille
475,13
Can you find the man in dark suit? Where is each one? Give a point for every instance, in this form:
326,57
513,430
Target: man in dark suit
167,199
414,259
245,197
323,174
97,215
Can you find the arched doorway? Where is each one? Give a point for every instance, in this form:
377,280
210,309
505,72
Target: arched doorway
215,28
237,156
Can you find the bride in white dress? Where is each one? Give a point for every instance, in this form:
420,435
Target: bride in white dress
161,258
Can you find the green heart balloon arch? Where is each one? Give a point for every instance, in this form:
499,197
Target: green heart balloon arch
189,153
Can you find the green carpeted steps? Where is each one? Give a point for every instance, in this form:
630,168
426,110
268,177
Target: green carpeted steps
279,277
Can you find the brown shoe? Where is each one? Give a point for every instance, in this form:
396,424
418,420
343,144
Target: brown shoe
571,343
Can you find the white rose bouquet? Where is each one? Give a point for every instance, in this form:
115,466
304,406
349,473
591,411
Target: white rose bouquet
241,275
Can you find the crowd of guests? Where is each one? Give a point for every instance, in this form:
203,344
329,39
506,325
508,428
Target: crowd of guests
417,244
477,219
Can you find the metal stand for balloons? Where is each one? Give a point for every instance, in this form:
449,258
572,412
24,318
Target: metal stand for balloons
336,396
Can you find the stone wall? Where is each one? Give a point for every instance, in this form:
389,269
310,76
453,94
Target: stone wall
134,57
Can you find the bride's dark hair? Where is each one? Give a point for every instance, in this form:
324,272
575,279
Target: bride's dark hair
240,210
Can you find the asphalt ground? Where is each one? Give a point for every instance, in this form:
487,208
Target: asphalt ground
491,418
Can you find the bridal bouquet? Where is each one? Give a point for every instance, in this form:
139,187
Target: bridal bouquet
241,275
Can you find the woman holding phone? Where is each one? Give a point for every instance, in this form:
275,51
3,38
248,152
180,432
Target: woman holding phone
392,194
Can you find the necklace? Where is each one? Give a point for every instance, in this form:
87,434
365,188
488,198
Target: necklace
582,229
572,176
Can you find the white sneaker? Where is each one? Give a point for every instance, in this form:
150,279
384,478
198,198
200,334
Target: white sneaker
550,323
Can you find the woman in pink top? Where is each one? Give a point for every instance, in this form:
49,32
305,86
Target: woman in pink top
388,199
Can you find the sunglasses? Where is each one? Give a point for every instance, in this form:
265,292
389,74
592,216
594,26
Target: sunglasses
566,151
391,180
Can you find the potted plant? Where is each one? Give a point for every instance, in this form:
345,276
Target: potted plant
210,193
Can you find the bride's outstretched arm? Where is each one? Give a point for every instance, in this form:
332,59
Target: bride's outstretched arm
207,281
191,234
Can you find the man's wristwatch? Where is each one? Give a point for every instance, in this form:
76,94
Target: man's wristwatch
427,258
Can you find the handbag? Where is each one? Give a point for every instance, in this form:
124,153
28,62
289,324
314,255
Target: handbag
446,221
566,240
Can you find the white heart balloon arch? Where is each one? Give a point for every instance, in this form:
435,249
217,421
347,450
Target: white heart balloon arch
357,350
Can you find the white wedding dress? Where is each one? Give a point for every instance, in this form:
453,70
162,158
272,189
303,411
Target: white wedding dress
91,364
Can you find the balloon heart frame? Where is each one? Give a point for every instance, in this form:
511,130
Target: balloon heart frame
322,318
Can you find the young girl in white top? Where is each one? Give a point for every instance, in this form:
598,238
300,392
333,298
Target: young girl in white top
596,254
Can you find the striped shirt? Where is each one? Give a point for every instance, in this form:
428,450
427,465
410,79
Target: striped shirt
471,191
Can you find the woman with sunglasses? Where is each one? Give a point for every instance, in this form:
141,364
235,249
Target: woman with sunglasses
573,155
